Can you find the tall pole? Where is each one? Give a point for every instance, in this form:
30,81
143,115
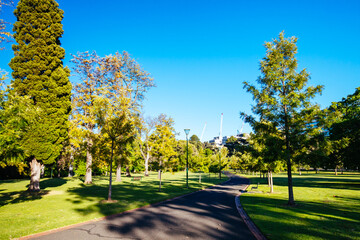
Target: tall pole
187,157
187,162
220,162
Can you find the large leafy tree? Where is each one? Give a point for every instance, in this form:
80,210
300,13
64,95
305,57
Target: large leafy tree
38,72
283,99
124,85
114,77
116,126
16,114
163,142
145,127
87,67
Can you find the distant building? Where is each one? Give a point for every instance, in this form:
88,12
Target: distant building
242,137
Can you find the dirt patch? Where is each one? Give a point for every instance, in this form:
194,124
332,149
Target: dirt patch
108,201
54,192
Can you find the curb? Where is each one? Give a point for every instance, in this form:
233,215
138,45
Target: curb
247,220
110,216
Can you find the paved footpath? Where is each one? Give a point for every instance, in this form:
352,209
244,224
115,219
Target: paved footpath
208,214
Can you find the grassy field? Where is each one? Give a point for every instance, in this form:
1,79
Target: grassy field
65,201
328,206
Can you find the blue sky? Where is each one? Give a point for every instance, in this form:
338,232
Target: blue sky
199,52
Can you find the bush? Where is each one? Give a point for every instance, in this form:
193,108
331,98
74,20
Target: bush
80,169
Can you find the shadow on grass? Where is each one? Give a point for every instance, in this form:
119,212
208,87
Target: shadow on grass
305,221
130,194
317,181
52,182
22,196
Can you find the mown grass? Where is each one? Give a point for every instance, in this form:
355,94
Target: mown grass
65,201
327,206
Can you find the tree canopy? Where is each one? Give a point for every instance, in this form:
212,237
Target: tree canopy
282,97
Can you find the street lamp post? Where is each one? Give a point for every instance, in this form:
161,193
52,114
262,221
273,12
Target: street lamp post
187,156
220,162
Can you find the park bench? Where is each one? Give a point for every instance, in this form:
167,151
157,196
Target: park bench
255,187
137,178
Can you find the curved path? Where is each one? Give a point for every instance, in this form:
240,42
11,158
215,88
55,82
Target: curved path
208,214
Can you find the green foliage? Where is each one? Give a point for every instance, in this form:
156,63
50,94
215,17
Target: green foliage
108,99
235,145
283,101
80,169
194,139
163,140
17,115
38,72
345,131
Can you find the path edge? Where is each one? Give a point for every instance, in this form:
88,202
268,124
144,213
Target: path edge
247,220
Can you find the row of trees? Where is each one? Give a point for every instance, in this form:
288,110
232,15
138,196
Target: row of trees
97,123
93,125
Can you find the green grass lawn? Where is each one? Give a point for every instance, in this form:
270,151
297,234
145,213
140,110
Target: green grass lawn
65,201
328,206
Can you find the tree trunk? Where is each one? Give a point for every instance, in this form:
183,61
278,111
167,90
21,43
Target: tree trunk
268,177
51,172
110,179
59,169
291,201
147,165
71,167
300,169
336,170
271,183
118,173
42,171
88,174
35,167
128,171
159,180
71,170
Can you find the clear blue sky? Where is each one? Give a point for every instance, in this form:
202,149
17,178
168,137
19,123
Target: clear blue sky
199,52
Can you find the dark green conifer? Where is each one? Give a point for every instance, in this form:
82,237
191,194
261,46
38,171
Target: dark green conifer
38,72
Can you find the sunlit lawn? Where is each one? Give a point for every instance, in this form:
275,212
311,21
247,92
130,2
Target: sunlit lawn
64,201
328,206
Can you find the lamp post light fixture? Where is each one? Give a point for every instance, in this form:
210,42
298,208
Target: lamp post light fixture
187,156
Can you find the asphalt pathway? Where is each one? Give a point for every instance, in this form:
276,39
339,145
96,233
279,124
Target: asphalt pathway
208,214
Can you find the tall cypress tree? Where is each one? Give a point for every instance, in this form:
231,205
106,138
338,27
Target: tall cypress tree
38,72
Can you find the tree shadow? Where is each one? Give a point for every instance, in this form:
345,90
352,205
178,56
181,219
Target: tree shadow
333,182
326,221
20,196
52,182
23,196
